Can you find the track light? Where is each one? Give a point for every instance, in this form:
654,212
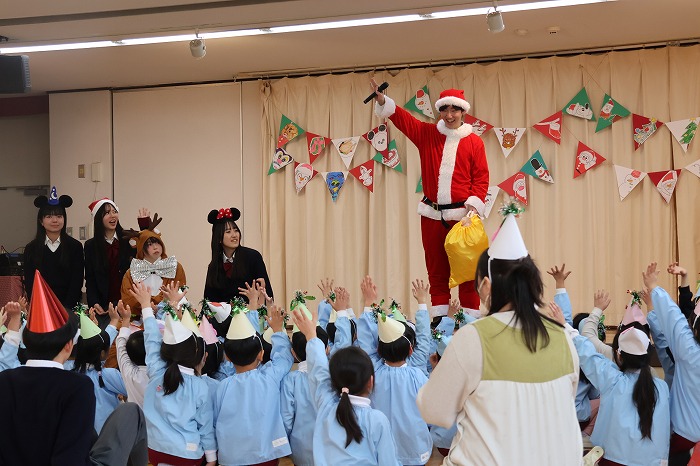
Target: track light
495,20
198,48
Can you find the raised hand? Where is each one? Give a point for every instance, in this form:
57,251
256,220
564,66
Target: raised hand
124,312
369,291
306,326
650,276
342,299
560,275
142,294
646,297
556,314
172,293
252,293
421,291
601,299
275,318
326,287
375,88
453,308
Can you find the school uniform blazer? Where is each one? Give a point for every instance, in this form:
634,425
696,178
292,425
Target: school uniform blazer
65,282
97,278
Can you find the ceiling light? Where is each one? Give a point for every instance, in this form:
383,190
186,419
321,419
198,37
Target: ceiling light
197,48
495,20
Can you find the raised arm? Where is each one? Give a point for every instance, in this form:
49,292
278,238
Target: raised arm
317,362
602,372
601,301
561,297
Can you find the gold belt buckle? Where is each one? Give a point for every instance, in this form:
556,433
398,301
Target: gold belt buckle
435,206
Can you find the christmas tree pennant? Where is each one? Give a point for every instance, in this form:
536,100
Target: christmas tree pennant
334,182
281,159
316,144
580,106
379,139
491,196
479,127
643,128
509,138
537,168
392,160
610,112
365,174
551,127
665,182
420,103
627,180
694,168
288,131
586,159
419,186
303,172
516,186
346,147
684,131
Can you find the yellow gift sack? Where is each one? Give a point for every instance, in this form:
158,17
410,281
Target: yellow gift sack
464,245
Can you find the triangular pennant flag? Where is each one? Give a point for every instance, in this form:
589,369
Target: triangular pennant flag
665,182
643,129
334,182
419,186
288,131
580,106
610,112
346,147
379,138
365,174
479,127
420,103
694,168
684,130
586,159
516,186
316,144
627,180
537,168
551,127
303,172
509,138
392,160
491,195
280,160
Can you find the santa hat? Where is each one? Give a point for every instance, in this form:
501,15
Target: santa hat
190,324
88,329
53,200
633,341
633,313
95,205
240,327
46,313
206,329
174,331
267,336
442,345
454,97
508,243
228,214
389,329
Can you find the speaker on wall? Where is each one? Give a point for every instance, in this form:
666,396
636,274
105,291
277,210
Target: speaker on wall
14,74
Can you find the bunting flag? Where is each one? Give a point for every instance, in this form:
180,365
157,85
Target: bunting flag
281,159
551,127
516,186
610,112
627,180
479,127
537,168
346,147
420,103
334,182
379,139
392,160
694,168
303,172
665,182
509,138
580,106
419,186
643,128
316,144
684,131
491,196
288,131
586,159
365,174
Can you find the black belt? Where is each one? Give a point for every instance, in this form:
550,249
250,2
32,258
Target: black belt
441,207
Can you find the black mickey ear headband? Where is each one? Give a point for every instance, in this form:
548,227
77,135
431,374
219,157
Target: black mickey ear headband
64,201
229,214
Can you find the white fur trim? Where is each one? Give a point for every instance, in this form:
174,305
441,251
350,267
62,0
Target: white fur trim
476,203
449,157
102,202
386,110
425,210
454,101
439,310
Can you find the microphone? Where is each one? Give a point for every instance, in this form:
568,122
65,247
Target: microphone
381,88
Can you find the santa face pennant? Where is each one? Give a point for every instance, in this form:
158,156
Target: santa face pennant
316,144
365,174
610,112
281,159
334,182
490,200
551,127
288,131
516,186
420,103
665,182
586,159
643,128
694,168
303,172
536,167
684,131
392,160
346,147
509,138
580,106
627,180
479,127
379,139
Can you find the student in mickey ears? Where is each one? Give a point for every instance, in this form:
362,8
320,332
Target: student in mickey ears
54,253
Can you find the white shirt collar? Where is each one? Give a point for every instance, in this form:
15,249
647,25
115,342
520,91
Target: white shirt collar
360,401
110,240
226,259
53,245
44,363
186,370
301,367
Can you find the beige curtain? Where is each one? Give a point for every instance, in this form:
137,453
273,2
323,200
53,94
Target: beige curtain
604,241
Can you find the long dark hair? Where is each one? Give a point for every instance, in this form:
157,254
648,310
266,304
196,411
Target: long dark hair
644,394
216,276
215,355
88,352
621,328
188,353
350,368
40,236
517,282
99,235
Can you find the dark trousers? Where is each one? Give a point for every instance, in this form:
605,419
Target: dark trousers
122,440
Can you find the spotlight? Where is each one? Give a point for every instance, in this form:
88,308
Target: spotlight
495,20
197,48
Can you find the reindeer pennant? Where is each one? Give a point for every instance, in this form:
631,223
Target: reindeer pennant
509,138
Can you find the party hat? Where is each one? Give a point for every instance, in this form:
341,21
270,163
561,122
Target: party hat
46,313
174,331
389,329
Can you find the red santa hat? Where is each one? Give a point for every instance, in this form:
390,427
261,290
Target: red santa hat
95,205
454,97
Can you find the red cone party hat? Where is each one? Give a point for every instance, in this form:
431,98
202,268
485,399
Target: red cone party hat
46,313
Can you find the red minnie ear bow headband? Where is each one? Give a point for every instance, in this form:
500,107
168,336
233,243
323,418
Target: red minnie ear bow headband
223,215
